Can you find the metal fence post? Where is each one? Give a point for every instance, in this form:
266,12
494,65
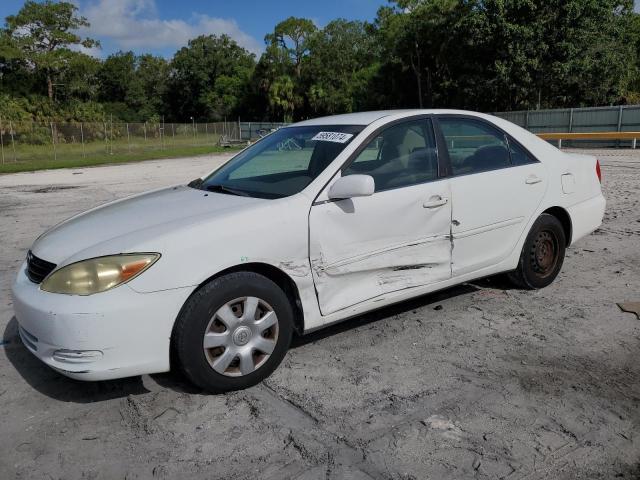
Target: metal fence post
620,119
145,131
13,143
571,120
82,140
111,141
162,133
2,140
53,142
128,139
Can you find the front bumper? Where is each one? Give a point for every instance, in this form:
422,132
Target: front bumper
114,334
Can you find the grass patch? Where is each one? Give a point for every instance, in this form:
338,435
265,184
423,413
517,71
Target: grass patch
41,157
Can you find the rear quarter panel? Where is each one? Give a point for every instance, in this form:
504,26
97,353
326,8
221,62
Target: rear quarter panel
582,196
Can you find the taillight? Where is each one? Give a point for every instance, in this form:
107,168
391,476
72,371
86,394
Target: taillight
598,171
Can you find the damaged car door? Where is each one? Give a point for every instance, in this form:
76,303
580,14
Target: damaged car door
394,239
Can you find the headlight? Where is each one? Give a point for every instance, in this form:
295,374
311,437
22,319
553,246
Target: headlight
98,274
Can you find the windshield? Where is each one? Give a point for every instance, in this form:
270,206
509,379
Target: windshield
281,164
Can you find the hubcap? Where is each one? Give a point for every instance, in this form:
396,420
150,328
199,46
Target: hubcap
544,254
240,336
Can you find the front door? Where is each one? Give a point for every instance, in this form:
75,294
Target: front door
399,237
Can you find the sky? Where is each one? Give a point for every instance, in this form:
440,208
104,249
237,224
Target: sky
163,26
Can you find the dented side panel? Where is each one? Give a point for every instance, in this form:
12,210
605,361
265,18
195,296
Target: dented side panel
365,247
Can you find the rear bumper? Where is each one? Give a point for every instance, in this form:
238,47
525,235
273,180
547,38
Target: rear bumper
114,334
586,217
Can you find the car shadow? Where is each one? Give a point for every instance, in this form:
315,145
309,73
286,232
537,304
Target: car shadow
431,299
54,385
498,282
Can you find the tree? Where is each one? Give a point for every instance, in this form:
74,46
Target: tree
554,53
41,34
152,77
209,77
116,76
291,36
342,59
283,98
134,87
504,54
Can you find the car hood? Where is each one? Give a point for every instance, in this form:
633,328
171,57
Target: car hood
102,230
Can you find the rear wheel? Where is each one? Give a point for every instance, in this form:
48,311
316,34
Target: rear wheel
233,332
542,254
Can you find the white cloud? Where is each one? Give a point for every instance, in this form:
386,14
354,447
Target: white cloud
132,24
91,51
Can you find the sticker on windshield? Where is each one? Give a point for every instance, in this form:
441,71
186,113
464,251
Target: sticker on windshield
336,137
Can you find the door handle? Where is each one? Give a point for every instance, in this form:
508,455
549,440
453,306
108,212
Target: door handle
532,180
435,202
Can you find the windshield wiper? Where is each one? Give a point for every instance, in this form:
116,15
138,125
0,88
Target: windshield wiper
225,189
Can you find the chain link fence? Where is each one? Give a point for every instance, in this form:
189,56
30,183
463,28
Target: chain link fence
33,141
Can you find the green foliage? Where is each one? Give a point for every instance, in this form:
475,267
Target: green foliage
342,60
506,54
133,87
40,35
283,98
476,54
291,39
209,78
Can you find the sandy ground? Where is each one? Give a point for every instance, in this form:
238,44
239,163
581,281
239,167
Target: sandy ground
479,381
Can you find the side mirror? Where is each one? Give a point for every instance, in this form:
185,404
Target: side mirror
352,186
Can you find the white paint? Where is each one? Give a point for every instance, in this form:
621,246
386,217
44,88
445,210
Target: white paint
352,186
491,211
346,257
364,247
568,183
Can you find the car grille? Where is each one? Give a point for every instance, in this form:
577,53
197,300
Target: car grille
37,268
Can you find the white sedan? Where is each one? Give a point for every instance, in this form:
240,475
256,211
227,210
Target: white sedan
315,223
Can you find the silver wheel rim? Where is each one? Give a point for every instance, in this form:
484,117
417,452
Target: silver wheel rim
241,336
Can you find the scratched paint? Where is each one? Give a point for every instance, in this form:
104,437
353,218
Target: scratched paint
366,247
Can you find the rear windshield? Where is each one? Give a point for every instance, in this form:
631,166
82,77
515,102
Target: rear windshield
281,164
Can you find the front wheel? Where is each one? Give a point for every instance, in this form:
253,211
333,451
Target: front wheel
542,254
233,332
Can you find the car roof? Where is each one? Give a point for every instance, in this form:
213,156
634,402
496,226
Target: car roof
367,118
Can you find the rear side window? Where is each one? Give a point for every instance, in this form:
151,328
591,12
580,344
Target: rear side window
402,155
519,156
474,146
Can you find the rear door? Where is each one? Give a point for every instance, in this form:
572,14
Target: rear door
496,187
395,239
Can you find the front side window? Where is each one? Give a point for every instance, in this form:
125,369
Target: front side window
402,155
283,163
474,146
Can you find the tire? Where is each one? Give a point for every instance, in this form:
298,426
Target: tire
248,322
542,254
